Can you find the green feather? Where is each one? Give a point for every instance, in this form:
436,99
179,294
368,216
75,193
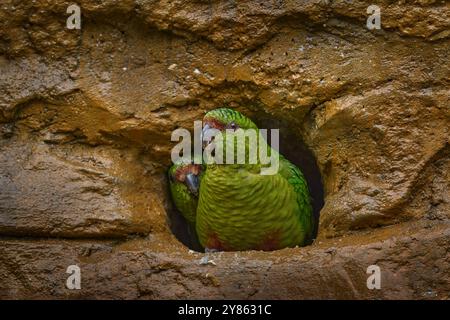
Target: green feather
184,201
297,180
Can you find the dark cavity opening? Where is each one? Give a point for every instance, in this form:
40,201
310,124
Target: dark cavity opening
294,149
179,225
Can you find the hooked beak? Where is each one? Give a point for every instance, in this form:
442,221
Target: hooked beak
192,183
205,133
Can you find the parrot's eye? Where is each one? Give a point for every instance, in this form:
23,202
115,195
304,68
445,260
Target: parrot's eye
233,126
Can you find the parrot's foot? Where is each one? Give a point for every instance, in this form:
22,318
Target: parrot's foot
211,250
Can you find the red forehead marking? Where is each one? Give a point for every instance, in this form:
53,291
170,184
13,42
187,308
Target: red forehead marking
180,173
214,123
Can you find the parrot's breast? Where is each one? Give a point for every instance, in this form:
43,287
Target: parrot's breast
240,210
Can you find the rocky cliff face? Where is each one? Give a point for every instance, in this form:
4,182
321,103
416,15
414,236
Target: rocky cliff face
86,118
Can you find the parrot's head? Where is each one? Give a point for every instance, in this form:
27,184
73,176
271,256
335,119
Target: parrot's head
187,173
224,118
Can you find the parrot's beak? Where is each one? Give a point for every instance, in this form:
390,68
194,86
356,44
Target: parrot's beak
205,133
192,183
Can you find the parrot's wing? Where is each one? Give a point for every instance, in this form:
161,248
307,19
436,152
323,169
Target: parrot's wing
297,180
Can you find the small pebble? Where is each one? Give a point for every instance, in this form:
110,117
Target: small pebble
205,260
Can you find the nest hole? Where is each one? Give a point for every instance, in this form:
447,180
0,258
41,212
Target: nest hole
294,149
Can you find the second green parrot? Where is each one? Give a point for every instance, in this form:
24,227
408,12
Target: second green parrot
184,179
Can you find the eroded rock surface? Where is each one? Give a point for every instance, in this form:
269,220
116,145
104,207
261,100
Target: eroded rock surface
86,118
413,260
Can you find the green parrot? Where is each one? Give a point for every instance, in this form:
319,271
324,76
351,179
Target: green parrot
241,209
184,179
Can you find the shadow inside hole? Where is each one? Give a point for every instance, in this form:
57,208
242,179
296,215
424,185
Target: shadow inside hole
292,148
180,227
